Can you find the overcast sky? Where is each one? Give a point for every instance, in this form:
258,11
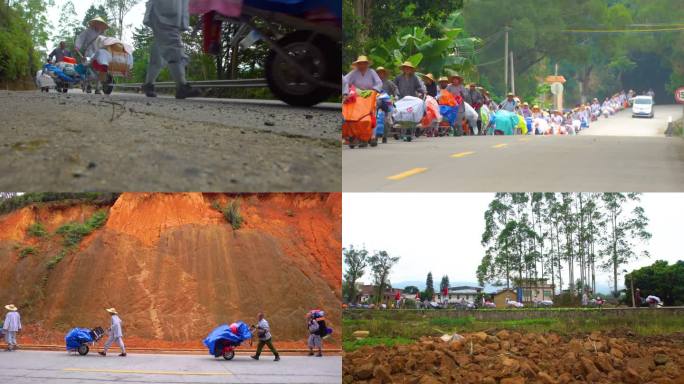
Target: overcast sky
134,18
441,232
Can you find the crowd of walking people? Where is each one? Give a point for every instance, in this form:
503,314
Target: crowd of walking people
376,105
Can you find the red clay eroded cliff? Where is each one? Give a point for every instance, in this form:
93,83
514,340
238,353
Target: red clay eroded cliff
174,267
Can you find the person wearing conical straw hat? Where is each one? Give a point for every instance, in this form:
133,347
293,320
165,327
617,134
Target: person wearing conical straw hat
115,333
168,19
363,77
11,326
388,85
430,84
509,104
443,82
86,46
408,83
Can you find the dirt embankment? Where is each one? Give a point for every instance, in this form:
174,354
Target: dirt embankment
173,266
504,357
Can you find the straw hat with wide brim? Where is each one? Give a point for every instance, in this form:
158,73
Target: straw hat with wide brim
111,310
407,64
429,76
98,20
510,94
381,69
361,59
11,307
455,75
443,78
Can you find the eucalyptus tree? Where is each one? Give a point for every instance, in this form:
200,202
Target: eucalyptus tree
625,228
355,261
381,264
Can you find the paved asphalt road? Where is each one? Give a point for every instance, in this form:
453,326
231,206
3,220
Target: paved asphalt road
615,154
29,367
126,142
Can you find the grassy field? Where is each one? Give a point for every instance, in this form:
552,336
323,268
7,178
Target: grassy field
388,331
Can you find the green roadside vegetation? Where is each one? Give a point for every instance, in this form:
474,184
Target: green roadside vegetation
384,330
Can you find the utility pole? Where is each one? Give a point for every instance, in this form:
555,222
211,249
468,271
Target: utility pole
506,29
512,73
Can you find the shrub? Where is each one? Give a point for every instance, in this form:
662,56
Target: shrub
73,233
36,230
56,259
231,213
27,251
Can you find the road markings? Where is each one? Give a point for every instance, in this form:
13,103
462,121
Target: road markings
524,139
409,173
462,154
141,372
500,146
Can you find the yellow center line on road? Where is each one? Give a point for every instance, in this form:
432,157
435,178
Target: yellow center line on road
500,146
462,154
409,173
524,139
141,372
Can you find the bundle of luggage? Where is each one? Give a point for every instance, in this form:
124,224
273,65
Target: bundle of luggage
319,316
227,336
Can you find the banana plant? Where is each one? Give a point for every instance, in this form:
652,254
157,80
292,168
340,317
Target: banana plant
439,55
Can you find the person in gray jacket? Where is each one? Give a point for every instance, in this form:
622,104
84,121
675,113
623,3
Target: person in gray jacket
408,83
168,18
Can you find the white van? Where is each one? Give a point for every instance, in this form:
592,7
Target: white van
642,106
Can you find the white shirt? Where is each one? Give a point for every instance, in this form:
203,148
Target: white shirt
263,324
12,322
169,12
116,327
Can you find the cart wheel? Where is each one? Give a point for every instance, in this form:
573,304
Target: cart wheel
409,138
83,349
397,136
228,355
317,55
108,88
374,142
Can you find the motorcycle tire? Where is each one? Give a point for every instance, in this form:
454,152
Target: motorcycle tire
229,355
319,56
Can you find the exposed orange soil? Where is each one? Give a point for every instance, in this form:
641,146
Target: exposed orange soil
175,268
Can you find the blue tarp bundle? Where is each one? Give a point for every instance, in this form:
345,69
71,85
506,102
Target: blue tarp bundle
296,7
449,113
235,333
59,73
76,337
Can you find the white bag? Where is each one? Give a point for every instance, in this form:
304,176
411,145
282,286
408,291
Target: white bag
409,109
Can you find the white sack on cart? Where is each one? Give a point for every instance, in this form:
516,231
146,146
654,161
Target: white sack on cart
410,109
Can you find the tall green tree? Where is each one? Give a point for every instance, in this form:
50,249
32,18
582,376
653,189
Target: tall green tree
381,264
118,9
625,229
429,287
444,283
68,26
355,261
